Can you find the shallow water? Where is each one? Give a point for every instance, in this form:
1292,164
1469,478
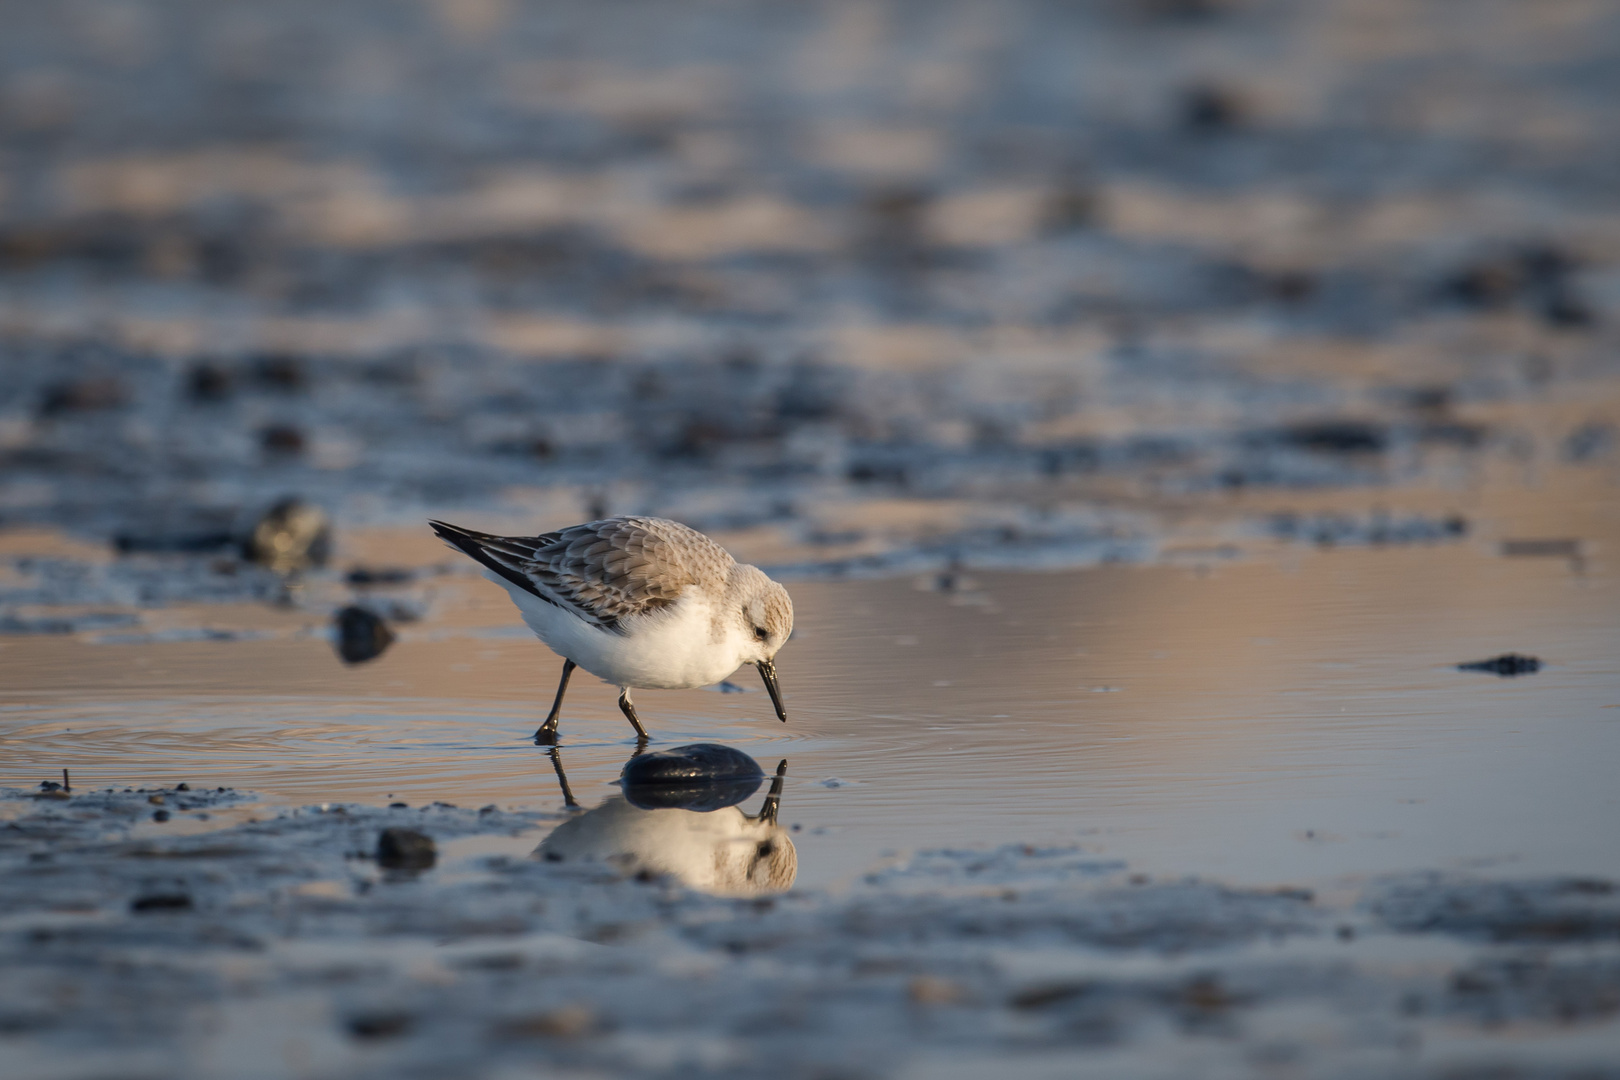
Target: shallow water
1298,718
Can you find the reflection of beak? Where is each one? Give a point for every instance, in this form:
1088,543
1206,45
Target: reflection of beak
767,671
773,801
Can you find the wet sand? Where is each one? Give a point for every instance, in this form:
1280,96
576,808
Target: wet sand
1149,404
1233,817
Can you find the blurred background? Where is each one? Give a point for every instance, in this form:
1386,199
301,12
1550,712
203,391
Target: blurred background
860,286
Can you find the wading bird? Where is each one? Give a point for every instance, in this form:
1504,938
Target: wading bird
639,602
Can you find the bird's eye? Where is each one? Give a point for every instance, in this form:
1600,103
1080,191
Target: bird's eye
762,633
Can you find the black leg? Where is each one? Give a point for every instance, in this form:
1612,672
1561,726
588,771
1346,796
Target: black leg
562,778
629,711
548,730
773,800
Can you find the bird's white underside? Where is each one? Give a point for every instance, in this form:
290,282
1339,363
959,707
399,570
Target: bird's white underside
674,648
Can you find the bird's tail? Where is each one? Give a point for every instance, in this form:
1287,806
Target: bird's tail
501,555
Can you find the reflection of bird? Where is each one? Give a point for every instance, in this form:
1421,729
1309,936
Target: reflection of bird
638,602
725,851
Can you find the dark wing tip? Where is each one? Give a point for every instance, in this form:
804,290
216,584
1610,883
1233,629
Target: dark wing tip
446,531
472,544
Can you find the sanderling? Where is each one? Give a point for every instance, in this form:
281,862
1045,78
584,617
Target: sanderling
640,602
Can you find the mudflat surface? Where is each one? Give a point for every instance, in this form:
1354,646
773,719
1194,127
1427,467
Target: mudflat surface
1149,405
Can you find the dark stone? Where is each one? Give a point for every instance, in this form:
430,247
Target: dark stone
1069,208
365,575
382,1025
208,383
186,543
361,635
1542,549
1537,277
1039,997
1336,437
85,395
405,849
161,902
1209,108
282,440
701,776
1507,665
870,472
279,372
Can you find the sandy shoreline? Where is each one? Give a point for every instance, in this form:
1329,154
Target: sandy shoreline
279,948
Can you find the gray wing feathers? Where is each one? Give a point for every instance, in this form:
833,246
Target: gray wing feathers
608,570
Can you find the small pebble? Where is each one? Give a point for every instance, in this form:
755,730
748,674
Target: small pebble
1507,665
405,849
161,902
380,1025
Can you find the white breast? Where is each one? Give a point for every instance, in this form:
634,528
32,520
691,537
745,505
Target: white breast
670,649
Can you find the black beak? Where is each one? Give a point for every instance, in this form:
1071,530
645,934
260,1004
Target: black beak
767,671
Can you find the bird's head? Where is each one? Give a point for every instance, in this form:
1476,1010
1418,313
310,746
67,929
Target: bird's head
765,613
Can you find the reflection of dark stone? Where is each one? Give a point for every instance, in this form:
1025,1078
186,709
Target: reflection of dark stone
361,635
1507,665
405,849
701,777
292,535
